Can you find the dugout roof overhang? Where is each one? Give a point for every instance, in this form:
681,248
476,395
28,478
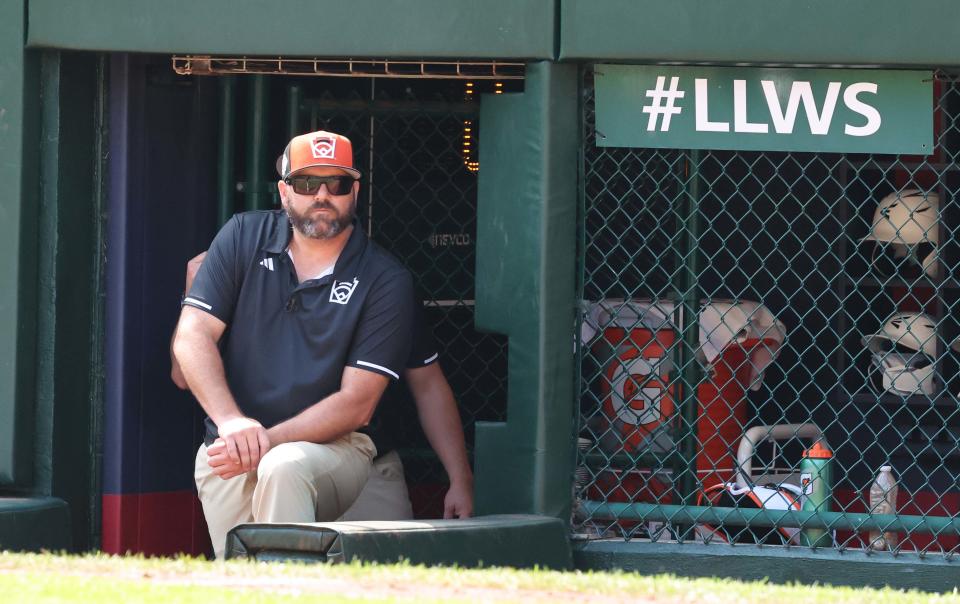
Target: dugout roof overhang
887,33
820,32
490,29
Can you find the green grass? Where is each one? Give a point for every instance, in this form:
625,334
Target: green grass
36,579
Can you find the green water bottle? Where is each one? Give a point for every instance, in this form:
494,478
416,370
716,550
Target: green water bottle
816,483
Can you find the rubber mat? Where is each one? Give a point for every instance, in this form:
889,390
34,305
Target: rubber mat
520,541
34,524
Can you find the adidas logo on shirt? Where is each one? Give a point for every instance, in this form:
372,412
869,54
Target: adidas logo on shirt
267,263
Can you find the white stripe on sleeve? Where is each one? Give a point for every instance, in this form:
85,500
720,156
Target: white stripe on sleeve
431,359
195,302
380,367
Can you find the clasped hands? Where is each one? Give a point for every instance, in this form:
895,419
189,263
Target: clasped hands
242,444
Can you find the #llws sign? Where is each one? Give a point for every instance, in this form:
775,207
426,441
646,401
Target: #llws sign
765,109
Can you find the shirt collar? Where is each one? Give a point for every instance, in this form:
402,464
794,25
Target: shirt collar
279,240
346,265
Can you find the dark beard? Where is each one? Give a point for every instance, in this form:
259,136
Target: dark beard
321,227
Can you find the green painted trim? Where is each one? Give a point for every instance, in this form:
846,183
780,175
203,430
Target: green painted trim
687,246
19,118
294,100
258,189
494,29
759,517
820,32
526,237
98,289
46,271
67,277
226,180
772,563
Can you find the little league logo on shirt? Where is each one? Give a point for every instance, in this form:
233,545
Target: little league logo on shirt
342,290
324,147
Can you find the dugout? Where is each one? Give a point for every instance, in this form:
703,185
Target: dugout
568,230
115,121
697,435
195,140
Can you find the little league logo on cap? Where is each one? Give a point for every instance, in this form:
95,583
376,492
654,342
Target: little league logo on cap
324,147
319,149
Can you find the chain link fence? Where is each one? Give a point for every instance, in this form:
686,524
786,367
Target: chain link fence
415,142
767,345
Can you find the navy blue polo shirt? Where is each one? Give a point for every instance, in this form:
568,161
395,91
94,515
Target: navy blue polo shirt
286,343
423,352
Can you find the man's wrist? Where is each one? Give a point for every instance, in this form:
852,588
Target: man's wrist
275,435
227,417
464,480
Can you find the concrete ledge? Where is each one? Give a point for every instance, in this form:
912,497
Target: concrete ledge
775,564
34,524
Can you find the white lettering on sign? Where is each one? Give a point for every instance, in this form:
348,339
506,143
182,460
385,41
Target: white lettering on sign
740,123
702,107
664,105
656,109
449,239
801,92
873,116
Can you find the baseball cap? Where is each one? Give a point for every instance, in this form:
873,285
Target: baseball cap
317,149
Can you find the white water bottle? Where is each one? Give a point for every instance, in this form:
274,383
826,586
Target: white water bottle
883,500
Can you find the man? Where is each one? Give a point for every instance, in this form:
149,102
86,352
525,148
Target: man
385,495
288,337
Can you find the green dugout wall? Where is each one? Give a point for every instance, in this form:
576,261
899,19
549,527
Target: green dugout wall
857,33
18,198
526,218
48,155
526,247
50,370
461,29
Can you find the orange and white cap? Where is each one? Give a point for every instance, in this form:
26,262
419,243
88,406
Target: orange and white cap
317,149
819,450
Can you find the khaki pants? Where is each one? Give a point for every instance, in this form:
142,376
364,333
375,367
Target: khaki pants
385,495
295,482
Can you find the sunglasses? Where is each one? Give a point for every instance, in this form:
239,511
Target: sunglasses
309,185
